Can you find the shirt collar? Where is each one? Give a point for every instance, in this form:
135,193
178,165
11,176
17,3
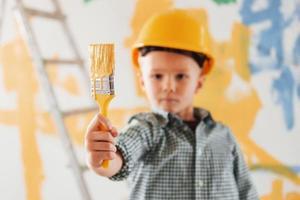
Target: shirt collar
199,113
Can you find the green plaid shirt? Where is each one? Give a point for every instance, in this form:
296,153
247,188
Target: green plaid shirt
164,159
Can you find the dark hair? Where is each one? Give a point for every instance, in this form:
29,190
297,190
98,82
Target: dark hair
198,57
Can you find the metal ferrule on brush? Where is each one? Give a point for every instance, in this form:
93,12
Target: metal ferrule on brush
103,85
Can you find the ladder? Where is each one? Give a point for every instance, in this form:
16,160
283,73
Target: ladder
22,14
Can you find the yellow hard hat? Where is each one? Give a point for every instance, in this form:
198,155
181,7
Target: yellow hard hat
178,29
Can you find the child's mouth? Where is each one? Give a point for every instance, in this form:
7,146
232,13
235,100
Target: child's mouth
169,100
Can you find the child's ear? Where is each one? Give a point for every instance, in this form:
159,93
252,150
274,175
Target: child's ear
141,80
200,82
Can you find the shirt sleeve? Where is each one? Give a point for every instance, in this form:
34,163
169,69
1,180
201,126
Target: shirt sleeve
244,183
134,141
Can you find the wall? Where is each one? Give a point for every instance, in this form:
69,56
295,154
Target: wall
254,88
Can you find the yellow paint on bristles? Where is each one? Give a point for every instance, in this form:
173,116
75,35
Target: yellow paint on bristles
102,60
102,66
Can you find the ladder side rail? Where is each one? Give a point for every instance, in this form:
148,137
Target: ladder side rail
2,15
66,28
57,6
73,45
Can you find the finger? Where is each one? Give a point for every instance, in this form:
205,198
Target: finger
114,132
93,125
101,146
100,136
95,160
98,123
104,122
105,155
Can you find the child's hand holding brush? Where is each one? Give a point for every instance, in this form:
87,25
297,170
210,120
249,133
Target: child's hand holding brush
100,146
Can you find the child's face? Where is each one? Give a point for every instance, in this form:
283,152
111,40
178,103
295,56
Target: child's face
170,81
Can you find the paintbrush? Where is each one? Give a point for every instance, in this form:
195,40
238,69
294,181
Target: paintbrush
102,78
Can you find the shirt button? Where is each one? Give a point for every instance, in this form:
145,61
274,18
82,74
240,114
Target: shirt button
200,183
199,152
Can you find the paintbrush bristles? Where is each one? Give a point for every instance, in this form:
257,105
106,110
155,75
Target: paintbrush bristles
102,60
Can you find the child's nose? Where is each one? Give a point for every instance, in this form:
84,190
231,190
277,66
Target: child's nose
169,85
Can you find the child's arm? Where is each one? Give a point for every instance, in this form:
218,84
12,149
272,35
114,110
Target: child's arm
245,185
100,145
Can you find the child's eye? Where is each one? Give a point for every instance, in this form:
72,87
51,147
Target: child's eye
157,76
181,76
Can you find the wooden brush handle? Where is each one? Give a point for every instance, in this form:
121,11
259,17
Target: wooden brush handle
103,102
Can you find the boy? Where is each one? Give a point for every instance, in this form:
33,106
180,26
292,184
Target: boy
176,151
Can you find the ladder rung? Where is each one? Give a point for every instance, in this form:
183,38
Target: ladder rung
52,15
61,61
79,111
